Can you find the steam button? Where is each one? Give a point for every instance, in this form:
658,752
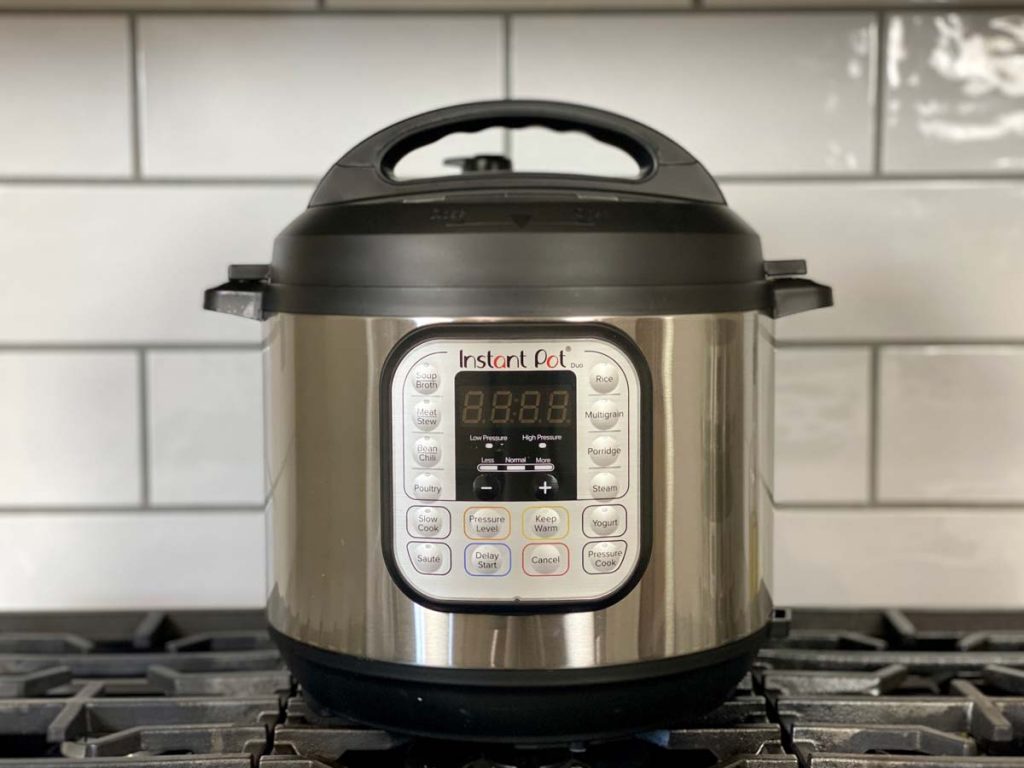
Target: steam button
430,558
427,451
604,414
603,556
605,485
426,415
426,486
425,379
604,378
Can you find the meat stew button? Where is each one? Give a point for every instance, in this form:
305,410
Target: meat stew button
488,560
603,556
545,559
429,558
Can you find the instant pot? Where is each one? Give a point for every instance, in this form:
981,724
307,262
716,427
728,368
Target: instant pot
518,435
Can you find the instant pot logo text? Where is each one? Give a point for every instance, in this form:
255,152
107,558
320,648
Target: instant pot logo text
539,359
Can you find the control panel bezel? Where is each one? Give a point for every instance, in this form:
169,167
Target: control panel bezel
640,475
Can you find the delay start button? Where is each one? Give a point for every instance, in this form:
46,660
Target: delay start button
488,560
545,559
603,556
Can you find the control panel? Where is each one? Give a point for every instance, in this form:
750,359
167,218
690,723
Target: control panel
516,476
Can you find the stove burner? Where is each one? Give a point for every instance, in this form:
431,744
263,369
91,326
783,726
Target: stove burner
863,689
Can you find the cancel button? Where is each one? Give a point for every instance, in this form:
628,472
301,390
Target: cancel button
545,559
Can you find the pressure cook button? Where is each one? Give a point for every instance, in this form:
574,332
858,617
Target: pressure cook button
487,523
487,487
546,487
427,451
603,556
425,379
428,522
545,559
545,522
430,558
604,378
426,415
604,450
605,485
426,486
604,414
488,560
604,520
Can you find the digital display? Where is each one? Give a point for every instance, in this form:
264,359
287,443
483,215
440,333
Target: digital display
515,436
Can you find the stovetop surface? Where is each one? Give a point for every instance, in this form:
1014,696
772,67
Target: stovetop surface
901,689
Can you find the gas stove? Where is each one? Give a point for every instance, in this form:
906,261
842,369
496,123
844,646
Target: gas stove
844,689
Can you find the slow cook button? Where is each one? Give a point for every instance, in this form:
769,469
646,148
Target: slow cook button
428,522
426,486
604,414
488,560
427,451
426,415
603,556
545,522
425,379
545,559
605,485
604,450
604,520
487,523
429,558
604,377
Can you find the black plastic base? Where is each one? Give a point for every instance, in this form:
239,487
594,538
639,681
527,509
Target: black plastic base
528,706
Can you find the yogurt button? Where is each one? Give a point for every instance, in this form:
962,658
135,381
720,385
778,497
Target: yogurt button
429,558
604,377
426,415
604,520
545,522
605,485
426,486
488,560
603,556
604,414
425,379
545,559
487,522
428,522
426,451
604,450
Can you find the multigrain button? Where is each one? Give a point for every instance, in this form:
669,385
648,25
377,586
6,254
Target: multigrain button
429,558
425,379
605,485
545,522
604,520
428,522
487,523
604,450
545,559
426,486
604,414
603,556
488,560
426,415
426,451
604,378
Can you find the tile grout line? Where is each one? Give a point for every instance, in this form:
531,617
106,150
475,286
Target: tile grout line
874,423
143,429
133,96
881,19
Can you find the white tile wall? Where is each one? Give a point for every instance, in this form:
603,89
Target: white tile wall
952,424
65,84
205,427
786,94
69,428
272,96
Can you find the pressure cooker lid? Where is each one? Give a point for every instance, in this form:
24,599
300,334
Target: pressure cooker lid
494,242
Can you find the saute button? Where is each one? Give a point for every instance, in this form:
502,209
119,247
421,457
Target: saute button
604,414
427,451
604,450
429,558
426,486
425,379
428,522
487,523
605,485
545,522
545,559
604,377
488,560
487,487
604,520
603,556
426,415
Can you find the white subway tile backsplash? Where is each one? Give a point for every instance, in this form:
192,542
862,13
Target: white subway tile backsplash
954,92
929,558
65,82
69,428
822,410
205,428
284,96
746,93
120,561
907,260
952,424
123,263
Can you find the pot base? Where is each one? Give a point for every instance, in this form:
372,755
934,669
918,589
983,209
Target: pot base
520,706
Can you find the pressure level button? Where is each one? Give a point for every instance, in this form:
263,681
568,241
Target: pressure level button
603,556
425,379
487,523
604,378
430,558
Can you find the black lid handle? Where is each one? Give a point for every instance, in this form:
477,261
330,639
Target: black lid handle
367,170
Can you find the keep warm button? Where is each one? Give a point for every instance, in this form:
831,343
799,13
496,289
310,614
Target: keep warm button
488,559
603,556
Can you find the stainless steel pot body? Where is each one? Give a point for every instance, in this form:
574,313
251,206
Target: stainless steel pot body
705,585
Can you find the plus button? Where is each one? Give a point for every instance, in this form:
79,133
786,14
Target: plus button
545,487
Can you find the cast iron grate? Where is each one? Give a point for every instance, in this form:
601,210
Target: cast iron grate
853,689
